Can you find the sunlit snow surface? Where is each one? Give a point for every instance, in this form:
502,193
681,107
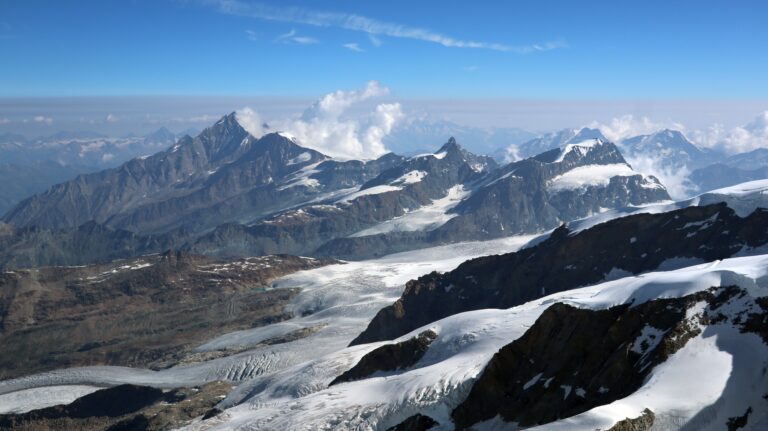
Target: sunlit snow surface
427,217
297,398
590,175
285,386
343,297
743,199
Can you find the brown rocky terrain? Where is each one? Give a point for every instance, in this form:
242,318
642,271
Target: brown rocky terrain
643,422
147,311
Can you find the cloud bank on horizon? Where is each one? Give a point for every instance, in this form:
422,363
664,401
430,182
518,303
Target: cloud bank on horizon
324,127
739,139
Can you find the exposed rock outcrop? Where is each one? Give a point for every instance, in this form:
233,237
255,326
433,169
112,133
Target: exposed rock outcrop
123,407
390,357
572,360
567,260
417,422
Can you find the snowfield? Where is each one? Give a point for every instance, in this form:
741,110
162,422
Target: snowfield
591,175
285,386
427,217
743,199
298,397
580,148
341,298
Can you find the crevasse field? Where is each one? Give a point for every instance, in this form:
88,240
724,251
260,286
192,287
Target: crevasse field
285,386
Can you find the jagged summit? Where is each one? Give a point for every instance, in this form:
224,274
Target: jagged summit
587,133
451,146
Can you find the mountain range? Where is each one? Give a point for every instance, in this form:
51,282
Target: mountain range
601,323
227,193
562,290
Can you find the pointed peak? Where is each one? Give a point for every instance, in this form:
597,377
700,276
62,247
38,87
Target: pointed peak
587,134
450,146
227,124
278,137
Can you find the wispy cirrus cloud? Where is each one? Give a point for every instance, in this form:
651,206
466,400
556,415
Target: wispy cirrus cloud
371,26
252,36
353,47
375,41
293,37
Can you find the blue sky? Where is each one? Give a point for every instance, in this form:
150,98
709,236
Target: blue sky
131,66
543,49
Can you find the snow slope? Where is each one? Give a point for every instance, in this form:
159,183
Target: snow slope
298,397
341,298
743,199
427,217
591,175
284,386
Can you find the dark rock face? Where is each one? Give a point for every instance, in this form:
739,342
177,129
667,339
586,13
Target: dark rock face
572,360
122,408
516,199
417,422
565,261
227,194
90,243
113,402
507,201
222,175
148,311
304,230
739,422
389,358
101,195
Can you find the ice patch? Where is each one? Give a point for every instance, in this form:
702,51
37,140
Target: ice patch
411,177
580,149
301,158
375,190
428,217
590,175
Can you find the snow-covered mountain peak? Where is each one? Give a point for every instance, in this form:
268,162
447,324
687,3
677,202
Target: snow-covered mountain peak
579,149
668,143
553,140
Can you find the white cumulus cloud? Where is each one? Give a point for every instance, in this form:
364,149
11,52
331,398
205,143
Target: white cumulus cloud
325,127
740,139
675,179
